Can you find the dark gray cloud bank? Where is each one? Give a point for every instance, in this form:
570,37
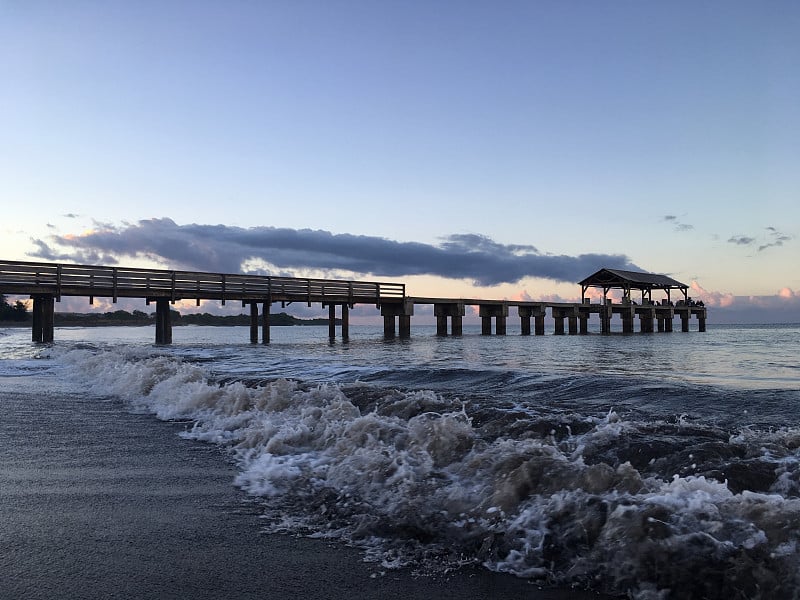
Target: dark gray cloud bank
221,248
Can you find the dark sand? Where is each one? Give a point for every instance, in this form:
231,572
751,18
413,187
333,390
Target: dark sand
98,503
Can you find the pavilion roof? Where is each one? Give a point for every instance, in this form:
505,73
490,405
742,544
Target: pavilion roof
617,278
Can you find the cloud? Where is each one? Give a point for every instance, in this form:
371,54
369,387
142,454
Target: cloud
676,223
773,238
724,307
221,248
741,240
709,298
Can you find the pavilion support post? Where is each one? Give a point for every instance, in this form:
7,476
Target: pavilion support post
163,321
265,309
254,322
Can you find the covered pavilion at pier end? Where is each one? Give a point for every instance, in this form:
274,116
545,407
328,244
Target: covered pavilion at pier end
648,310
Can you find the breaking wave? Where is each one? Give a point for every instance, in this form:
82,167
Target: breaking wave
655,509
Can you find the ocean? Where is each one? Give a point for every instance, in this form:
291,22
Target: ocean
661,465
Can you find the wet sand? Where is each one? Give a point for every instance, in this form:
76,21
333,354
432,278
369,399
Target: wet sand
96,502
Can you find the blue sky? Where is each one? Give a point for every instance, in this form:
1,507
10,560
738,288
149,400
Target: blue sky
433,138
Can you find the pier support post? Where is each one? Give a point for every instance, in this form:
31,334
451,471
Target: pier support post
404,325
525,320
538,323
254,322
661,324
558,321
627,314
572,320
163,321
701,319
500,325
500,314
457,324
668,321
43,315
403,311
685,321
441,325
388,326
646,316
583,320
605,317
486,325
265,309
332,321
454,310
345,322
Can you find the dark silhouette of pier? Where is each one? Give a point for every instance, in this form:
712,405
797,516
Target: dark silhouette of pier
47,283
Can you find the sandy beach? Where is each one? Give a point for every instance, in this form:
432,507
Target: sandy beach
97,502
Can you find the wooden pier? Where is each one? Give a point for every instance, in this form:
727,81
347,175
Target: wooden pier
47,283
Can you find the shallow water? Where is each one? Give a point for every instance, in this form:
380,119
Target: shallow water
659,465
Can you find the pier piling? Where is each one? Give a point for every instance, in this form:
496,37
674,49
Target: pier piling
265,333
455,311
498,311
254,322
43,314
163,321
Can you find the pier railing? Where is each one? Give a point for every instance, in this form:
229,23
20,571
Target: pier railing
18,277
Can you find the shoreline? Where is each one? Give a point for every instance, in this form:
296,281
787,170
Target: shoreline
100,502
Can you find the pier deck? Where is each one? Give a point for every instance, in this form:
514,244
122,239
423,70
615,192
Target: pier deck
47,283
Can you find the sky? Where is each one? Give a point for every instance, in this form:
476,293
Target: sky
467,148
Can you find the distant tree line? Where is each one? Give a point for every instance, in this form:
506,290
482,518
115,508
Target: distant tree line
13,312
18,311
138,317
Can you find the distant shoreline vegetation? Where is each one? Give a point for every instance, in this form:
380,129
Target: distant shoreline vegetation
13,313
17,315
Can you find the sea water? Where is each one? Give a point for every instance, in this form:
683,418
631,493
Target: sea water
659,465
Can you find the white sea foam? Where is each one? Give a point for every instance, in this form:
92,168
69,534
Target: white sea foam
414,479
